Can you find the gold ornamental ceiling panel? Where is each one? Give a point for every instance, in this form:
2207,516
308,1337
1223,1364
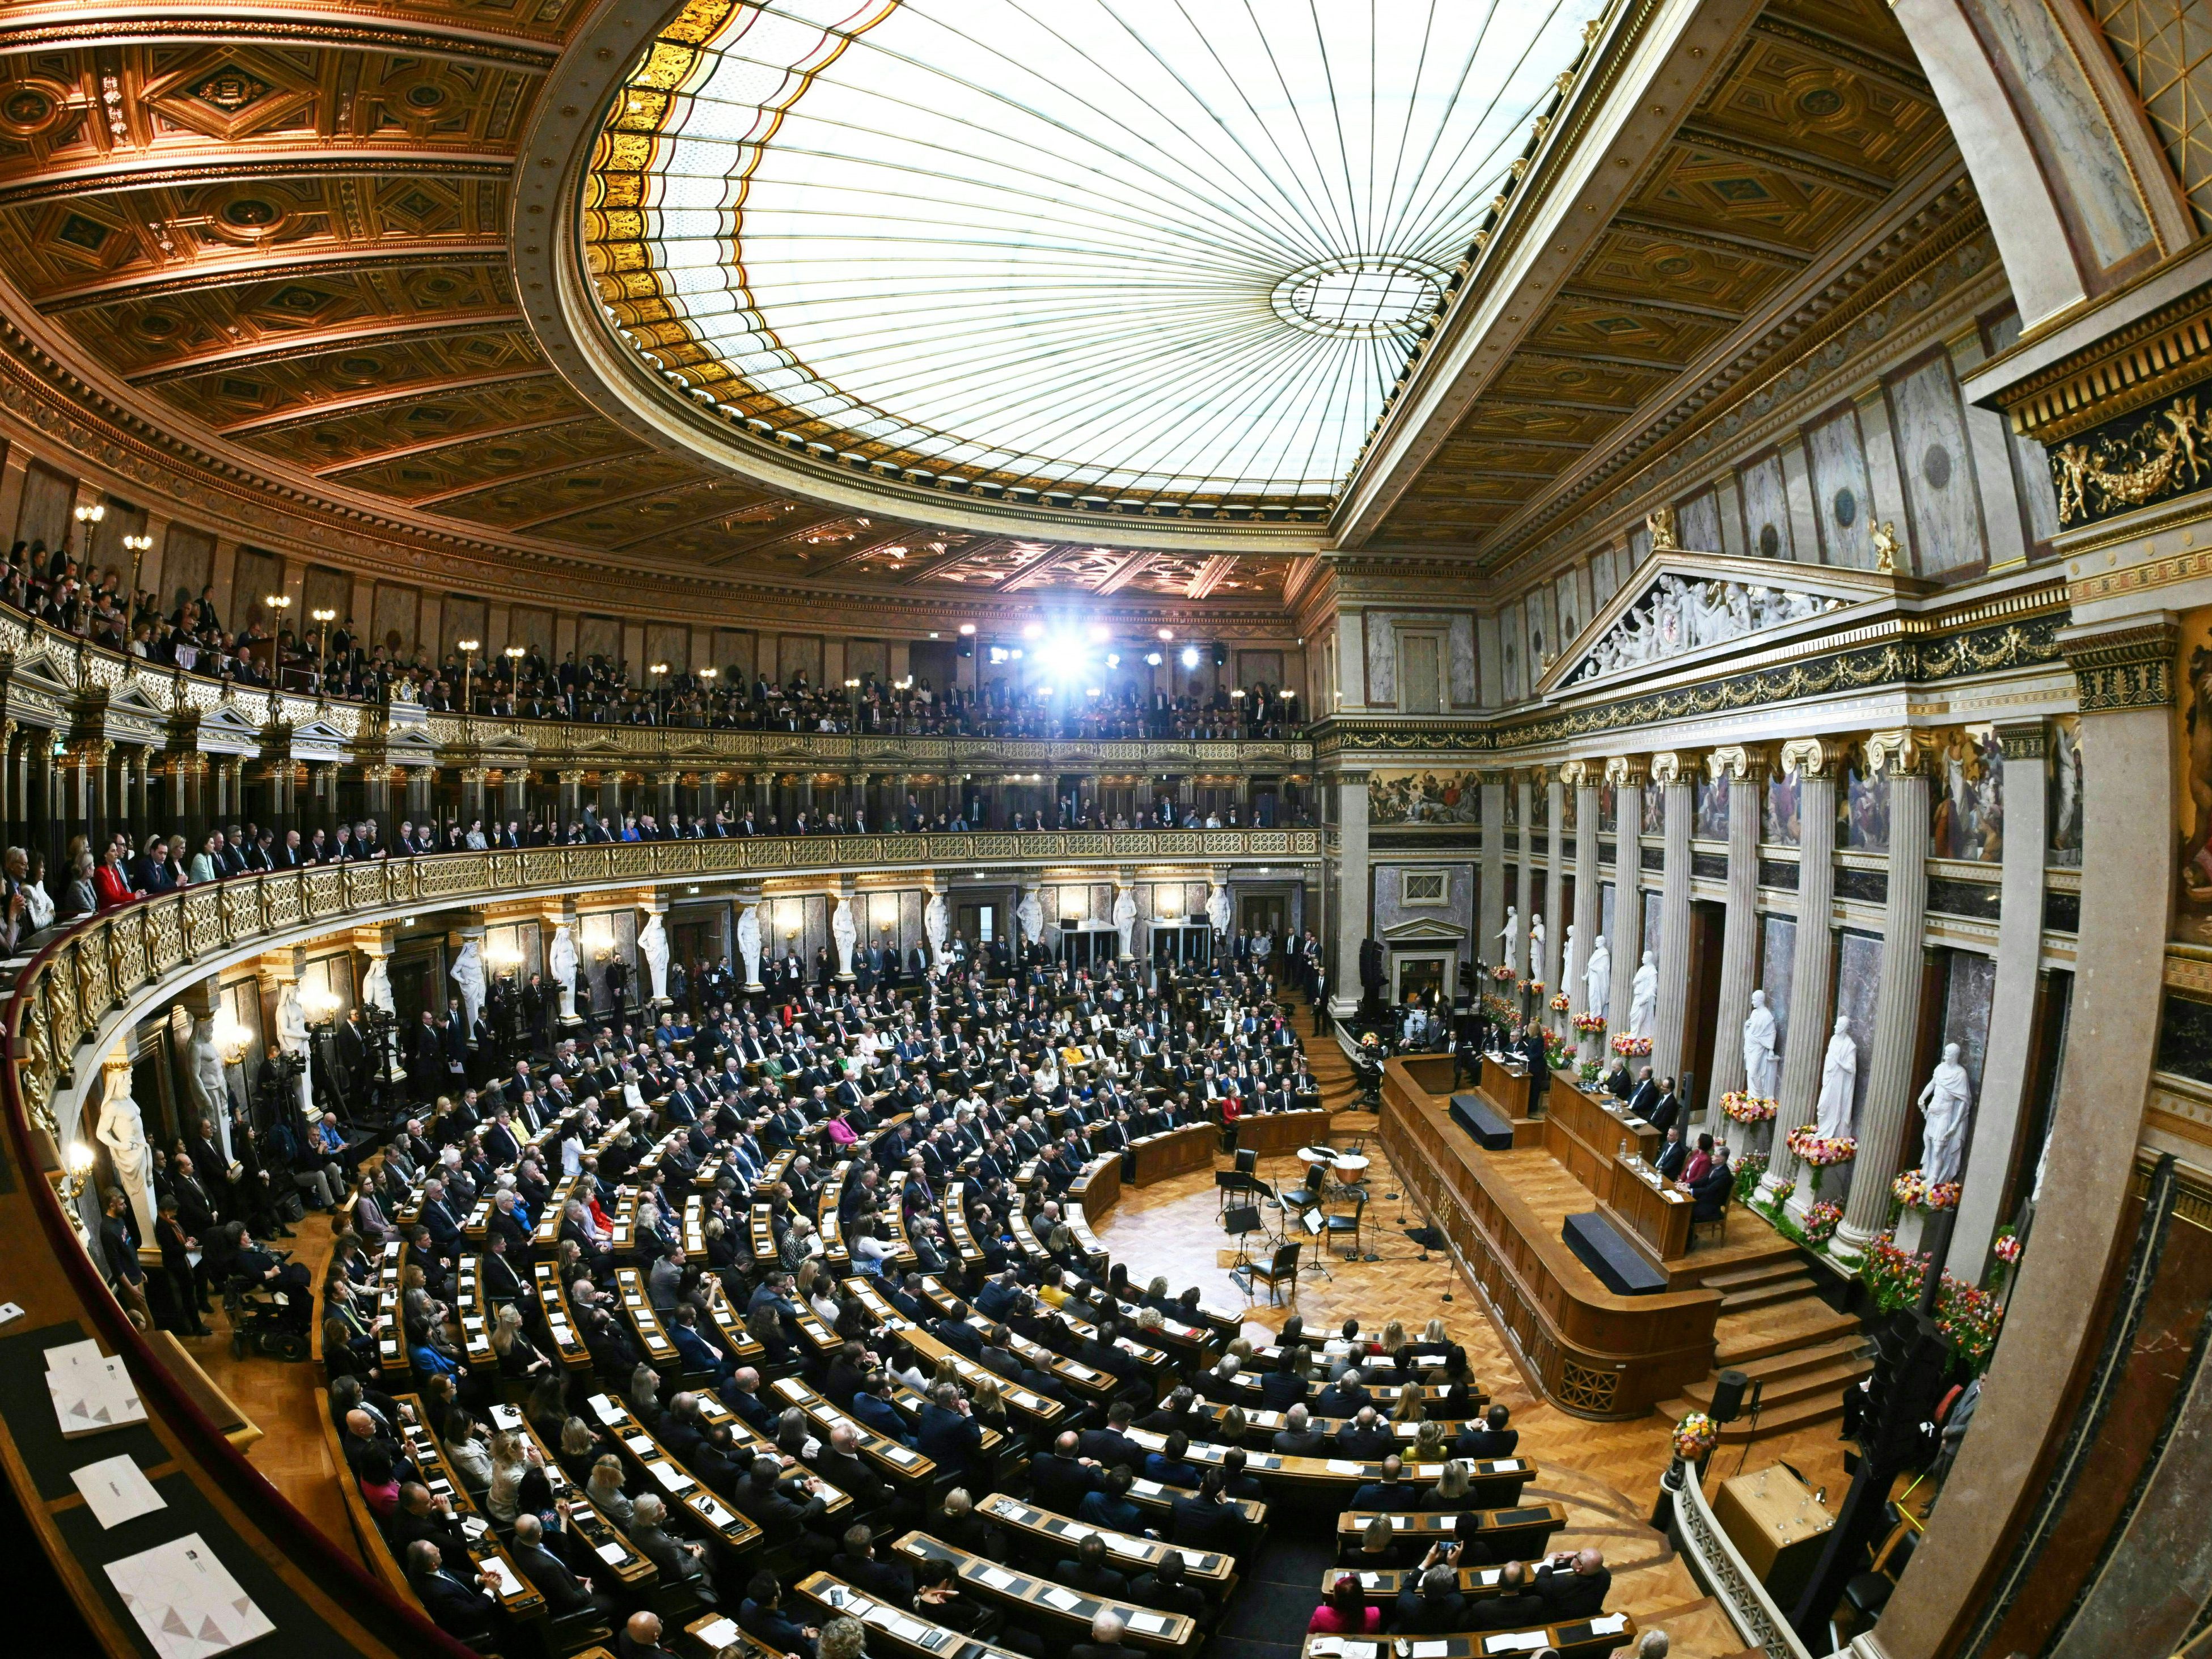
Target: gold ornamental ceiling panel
334,444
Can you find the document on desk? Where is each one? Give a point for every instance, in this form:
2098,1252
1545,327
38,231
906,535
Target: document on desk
117,1490
1531,1641
186,1600
1066,1601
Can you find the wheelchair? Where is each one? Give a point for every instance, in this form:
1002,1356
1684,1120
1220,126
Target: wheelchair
273,1319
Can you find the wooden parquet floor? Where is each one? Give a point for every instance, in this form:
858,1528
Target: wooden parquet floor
1606,1474
286,1402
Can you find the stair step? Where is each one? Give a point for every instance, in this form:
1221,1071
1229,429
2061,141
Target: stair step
1824,1382
1773,1421
1745,1279
1762,1296
1813,1357
1762,1335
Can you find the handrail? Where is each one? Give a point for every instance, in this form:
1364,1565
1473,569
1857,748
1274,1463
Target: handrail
1715,1562
97,970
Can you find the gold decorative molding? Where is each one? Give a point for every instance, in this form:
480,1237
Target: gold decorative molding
1744,763
2128,666
1668,769
2152,357
1625,771
1897,754
1579,775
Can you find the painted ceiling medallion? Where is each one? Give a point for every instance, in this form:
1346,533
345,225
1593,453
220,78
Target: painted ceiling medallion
1084,250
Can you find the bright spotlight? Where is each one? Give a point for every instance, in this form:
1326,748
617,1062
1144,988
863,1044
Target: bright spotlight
1100,632
1190,656
1167,633
1151,659
968,629
1112,660
1031,630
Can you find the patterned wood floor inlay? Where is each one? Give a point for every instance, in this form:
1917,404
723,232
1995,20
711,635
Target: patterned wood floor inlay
1606,1474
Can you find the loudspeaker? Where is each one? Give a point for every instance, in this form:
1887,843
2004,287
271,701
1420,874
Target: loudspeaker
1244,1218
1727,1397
966,647
1220,653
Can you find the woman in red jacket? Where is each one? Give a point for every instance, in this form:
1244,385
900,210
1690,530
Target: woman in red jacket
110,881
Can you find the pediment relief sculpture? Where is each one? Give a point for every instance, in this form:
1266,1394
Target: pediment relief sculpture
1678,615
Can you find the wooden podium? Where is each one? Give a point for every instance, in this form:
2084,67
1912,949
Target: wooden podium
1777,1526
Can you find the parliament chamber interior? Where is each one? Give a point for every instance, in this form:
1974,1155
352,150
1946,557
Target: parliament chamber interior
972,829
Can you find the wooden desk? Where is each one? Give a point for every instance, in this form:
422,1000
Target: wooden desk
1527,1529
1097,1189
1651,1209
469,1308
659,1347
741,1344
1584,1131
518,1597
1336,1478
1281,1132
677,1483
1032,1408
1172,1152
1054,1606
1576,1639
623,1558
903,1633
1210,1569
900,1465
553,1299
1507,1085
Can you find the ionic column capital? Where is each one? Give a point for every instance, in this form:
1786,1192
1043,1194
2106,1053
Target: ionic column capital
1627,771
1812,758
1897,754
1579,775
1667,767
1743,762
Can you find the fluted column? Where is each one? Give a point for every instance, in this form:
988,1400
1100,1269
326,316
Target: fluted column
1352,920
1578,776
473,778
1996,1125
1490,908
1900,759
1627,773
1524,893
1813,962
1673,774
1745,772
1555,929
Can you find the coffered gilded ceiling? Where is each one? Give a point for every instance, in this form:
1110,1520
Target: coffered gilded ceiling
285,235
1816,126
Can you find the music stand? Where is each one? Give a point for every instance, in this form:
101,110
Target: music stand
1316,1226
1240,1224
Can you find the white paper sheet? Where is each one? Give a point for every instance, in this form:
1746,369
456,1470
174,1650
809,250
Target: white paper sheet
1531,1643
613,1554
117,1490
186,1601
999,1578
1065,1600
1612,1625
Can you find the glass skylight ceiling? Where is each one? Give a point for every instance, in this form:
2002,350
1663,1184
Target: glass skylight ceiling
1173,248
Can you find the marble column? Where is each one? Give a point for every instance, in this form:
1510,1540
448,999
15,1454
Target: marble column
1812,964
1744,770
1674,774
1890,1086
1490,907
1627,773
2124,668
1550,969
1351,919
1578,776
1996,1125
473,779
1524,867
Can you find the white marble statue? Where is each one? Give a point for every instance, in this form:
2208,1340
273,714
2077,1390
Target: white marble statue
468,977
203,1077
1678,614
1125,921
749,944
1511,935
936,923
1644,997
122,1130
1839,1073
561,961
1567,955
292,1038
844,932
1597,976
1031,913
1535,945
652,945
1217,910
1944,1104
1762,1066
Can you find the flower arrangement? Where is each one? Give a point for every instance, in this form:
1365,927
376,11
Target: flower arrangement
1969,1316
1821,1221
1911,1190
1503,972
1532,987
1893,1275
1590,1024
2007,1248
1555,1053
1748,1169
1747,1108
1695,1436
1586,1071
1499,1010
1559,1004
1819,1151
1631,1048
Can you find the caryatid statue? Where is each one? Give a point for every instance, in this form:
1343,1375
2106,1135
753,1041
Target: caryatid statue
1535,944
1031,913
1762,1066
749,943
652,945
561,961
1839,1073
1644,997
122,1130
1944,1104
468,977
1597,976
936,922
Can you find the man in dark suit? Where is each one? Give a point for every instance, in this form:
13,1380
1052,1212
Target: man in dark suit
421,1516
1673,1156
1666,1110
1105,1643
1572,1585
1390,1492
1367,1437
1110,1446
458,1604
1088,1573
1061,1477
1517,1608
946,1433
1645,1096
563,1591
1207,1519
1435,1606
1297,1437
1540,1068
1493,1441
859,1565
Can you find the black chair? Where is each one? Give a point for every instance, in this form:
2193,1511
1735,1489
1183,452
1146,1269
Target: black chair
1248,1162
1868,1592
1280,1270
1309,1196
1336,1226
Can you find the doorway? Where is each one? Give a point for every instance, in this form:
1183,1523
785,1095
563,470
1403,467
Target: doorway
1424,973
1270,912
1708,939
977,923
